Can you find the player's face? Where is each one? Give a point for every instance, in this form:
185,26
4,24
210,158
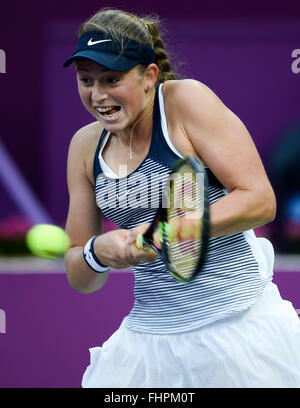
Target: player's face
114,98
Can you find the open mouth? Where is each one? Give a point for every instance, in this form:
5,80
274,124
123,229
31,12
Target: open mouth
109,110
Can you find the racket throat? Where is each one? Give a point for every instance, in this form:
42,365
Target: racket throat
157,248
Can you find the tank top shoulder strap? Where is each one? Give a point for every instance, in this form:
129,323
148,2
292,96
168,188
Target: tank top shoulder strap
159,148
97,168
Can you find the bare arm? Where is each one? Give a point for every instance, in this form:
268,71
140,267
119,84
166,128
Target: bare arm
222,141
84,221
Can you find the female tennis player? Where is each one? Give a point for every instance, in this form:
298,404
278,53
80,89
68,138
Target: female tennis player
229,327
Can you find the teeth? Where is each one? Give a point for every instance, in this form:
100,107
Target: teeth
101,110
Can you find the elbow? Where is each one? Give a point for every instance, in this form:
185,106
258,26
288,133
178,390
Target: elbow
268,207
71,275
272,212
74,282
86,287
76,285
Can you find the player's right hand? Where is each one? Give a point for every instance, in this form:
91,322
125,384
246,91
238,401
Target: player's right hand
112,249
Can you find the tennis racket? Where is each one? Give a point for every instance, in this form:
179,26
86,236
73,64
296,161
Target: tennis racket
179,233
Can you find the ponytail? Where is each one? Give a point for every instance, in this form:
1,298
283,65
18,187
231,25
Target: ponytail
161,56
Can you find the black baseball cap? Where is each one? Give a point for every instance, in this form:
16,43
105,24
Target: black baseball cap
104,50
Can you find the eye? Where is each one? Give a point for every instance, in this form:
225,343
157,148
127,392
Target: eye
85,80
112,80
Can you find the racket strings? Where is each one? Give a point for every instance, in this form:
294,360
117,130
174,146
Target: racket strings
185,222
184,257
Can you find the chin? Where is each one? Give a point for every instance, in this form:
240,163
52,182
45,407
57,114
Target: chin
114,127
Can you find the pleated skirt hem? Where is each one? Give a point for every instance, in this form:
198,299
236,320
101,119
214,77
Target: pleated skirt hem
256,348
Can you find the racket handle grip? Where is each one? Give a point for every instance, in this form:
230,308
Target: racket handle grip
139,243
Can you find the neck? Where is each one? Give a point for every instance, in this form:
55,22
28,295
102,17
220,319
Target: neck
140,130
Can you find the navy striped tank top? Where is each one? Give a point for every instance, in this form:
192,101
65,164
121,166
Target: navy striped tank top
233,277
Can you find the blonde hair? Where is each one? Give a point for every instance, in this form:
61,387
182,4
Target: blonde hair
117,23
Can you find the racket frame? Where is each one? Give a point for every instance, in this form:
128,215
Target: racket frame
198,167
160,221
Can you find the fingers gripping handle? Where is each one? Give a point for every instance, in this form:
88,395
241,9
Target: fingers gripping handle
139,243
144,246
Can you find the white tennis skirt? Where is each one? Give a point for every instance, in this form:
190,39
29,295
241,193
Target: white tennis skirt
259,347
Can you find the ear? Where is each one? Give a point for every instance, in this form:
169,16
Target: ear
150,75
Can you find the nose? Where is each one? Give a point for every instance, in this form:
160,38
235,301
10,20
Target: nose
98,93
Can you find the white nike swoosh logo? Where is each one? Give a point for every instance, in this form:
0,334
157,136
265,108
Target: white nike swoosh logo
91,42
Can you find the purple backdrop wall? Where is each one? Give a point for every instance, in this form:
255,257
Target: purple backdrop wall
247,63
243,54
50,327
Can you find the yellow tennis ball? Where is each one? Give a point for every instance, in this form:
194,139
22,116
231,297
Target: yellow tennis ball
47,241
